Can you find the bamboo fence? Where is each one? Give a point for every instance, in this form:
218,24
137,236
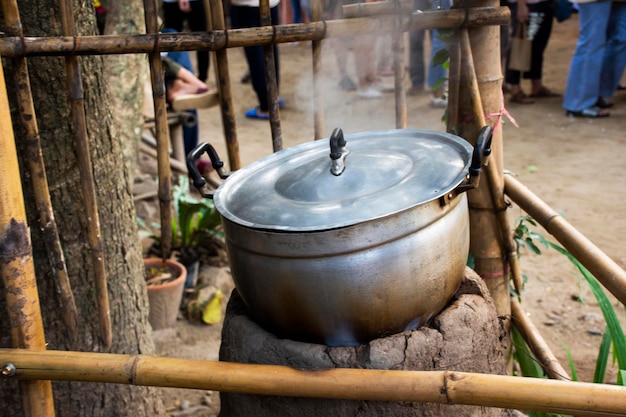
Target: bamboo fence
472,91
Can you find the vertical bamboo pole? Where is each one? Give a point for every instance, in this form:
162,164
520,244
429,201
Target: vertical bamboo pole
161,130
485,241
454,85
270,80
318,97
83,157
397,40
497,198
215,21
17,268
36,167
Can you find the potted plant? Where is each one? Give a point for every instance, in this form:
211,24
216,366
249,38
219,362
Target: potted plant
165,280
194,222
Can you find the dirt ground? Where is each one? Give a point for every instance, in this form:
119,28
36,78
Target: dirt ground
572,164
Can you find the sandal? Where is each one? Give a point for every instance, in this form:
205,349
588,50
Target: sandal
254,113
544,92
590,112
604,103
521,98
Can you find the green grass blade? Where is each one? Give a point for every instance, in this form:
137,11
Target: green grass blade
570,360
603,358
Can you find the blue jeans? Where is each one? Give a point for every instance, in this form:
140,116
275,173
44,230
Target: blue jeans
614,51
583,81
436,72
190,133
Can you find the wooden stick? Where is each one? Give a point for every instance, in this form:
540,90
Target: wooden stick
220,39
37,169
162,133
226,96
537,344
271,79
318,96
83,158
454,84
16,261
609,273
445,387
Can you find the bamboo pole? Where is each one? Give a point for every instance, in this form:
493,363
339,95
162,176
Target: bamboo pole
11,47
609,273
537,344
479,96
271,79
445,387
162,132
377,8
397,38
36,167
16,264
318,97
497,192
229,125
454,85
83,157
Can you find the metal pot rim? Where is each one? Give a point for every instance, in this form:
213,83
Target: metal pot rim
386,172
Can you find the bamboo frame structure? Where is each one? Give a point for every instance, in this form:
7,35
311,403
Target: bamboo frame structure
35,364
445,387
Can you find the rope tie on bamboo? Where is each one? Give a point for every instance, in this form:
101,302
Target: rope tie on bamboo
498,115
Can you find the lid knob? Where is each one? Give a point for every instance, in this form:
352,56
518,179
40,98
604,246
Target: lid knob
338,152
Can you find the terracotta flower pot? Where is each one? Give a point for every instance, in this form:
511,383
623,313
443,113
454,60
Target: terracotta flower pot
165,292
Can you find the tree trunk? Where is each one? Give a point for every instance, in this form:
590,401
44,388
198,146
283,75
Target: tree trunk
120,242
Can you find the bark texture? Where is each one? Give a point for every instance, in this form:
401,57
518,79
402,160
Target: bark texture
120,243
467,336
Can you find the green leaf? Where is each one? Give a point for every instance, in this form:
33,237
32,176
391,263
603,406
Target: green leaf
441,56
602,359
570,360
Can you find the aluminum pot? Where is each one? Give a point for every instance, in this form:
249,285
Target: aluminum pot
340,250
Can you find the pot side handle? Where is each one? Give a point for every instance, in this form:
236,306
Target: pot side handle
482,150
198,180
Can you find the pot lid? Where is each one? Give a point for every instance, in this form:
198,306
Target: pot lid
385,173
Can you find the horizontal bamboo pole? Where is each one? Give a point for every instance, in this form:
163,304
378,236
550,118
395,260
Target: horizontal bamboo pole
537,344
609,273
445,387
11,47
377,8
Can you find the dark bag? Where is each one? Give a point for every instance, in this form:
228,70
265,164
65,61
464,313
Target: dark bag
521,50
562,10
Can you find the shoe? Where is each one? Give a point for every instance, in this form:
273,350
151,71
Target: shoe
438,102
604,103
369,92
281,102
245,79
591,112
621,87
544,92
346,84
521,98
414,90
254,114
383,88
202,100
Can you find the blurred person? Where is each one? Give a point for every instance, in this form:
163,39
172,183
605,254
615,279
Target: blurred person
539,15
614,60
601,30
245,14
176,13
